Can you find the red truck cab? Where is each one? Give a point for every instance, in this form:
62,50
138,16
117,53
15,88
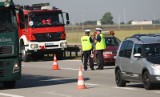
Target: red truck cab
42,31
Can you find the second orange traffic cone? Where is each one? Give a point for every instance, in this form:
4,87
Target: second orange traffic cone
81,84
55,63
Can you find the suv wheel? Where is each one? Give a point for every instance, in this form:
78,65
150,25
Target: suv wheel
146,80
119,80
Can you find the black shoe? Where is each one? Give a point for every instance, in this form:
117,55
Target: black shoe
97,68
92,69
100,69
85,69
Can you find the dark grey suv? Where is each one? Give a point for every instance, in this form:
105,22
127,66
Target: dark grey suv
138,60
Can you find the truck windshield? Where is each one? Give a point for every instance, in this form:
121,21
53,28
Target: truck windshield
152,50
46,19
7,20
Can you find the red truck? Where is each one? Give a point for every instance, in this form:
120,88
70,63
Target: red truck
42,31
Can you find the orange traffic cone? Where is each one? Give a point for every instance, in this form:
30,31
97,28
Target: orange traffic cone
81,84
55,63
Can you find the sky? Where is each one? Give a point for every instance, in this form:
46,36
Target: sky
121,10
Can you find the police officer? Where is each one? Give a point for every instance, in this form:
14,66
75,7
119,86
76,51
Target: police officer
100,46
86,42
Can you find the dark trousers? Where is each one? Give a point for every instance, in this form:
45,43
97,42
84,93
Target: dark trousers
100,60
86,59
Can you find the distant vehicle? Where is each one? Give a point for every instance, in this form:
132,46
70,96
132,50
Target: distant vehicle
138,60
42,31
112,44
10,62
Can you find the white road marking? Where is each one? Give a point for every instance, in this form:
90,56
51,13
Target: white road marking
71,60
157,92
54,93
58,94
125,88
90,84
58,80
70,69
10,95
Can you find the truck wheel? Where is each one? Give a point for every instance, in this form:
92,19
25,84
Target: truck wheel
119,80
24,56
60,55
9,84
146,80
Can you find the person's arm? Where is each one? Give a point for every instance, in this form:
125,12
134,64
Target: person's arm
98,39
91,40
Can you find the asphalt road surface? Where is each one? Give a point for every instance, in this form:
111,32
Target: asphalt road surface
39,80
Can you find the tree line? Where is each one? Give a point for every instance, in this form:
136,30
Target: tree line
107,18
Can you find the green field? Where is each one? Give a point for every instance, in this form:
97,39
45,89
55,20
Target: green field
75,36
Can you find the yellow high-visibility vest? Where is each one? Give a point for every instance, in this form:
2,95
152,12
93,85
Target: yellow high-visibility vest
86,44
101,45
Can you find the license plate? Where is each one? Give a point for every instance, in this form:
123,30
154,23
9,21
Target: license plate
47,44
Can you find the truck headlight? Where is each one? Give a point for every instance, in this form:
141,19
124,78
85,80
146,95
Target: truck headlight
155,66
7,3
16,67
34,46
63,44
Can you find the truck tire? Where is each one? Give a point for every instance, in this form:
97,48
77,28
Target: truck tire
60,55
24,56
9,84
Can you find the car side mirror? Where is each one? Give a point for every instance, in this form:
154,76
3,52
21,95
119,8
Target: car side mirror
137,55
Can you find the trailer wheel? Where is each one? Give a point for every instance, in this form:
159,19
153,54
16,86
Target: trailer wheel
9,84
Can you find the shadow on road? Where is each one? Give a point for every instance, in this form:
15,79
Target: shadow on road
28,81
140,85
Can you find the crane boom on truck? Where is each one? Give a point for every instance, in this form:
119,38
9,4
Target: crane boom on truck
42,31
10,63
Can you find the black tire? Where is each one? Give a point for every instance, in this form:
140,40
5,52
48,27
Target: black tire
24,55
59,55
147,81
119,80
9,84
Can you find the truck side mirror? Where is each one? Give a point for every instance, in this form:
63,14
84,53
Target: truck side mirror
67,17
21,16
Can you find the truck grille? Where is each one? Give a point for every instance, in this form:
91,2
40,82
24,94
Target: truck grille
42,37
1,73
3,65
5,50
